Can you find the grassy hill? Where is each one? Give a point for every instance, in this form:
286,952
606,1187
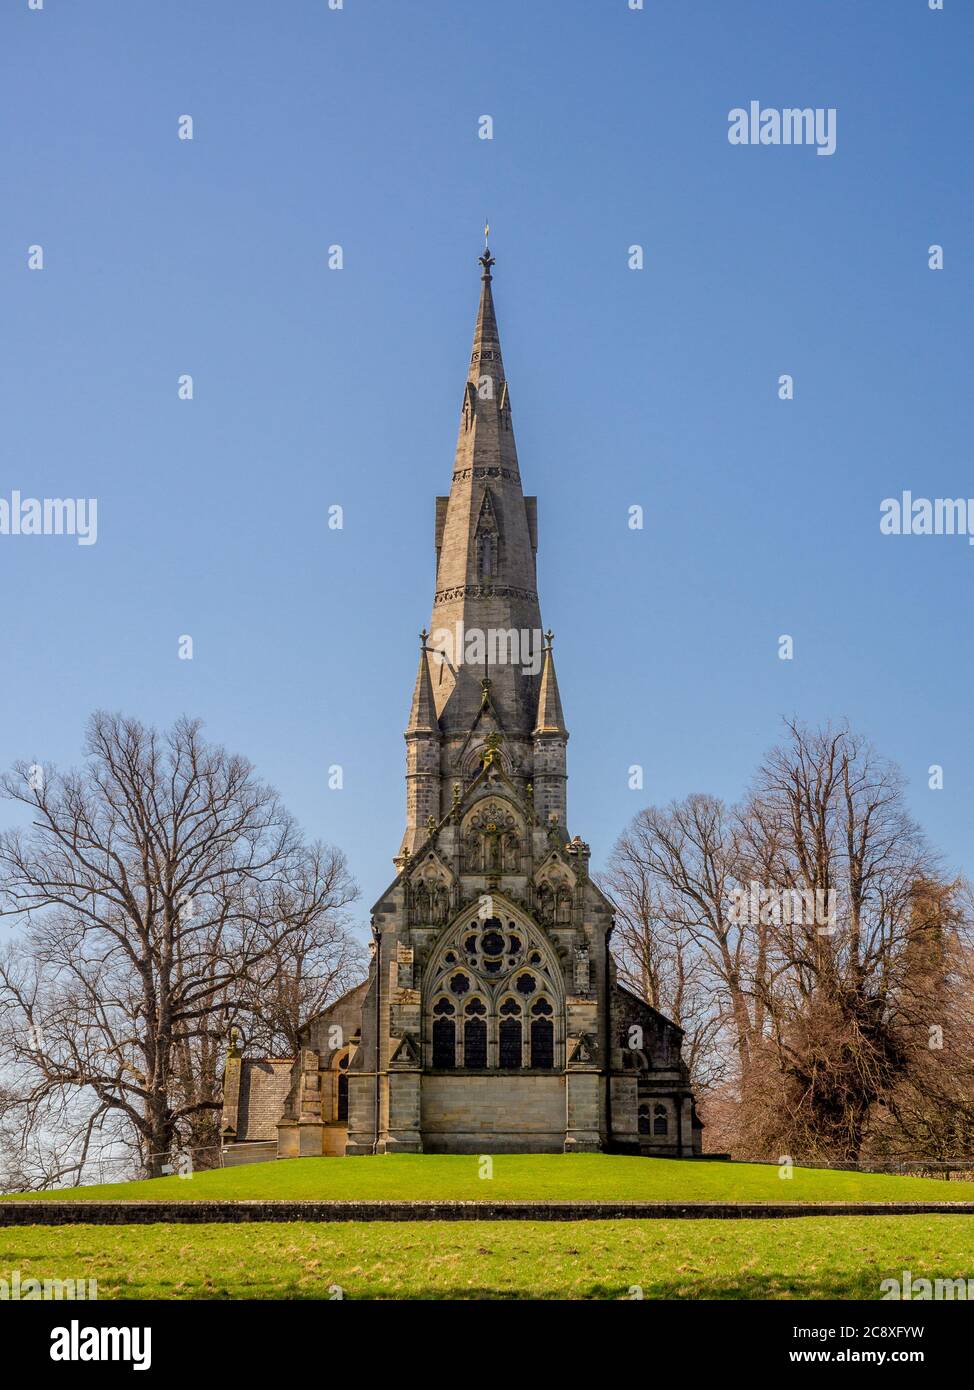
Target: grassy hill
815,1257
591,1177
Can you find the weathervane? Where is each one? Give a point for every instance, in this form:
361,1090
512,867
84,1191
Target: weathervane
486,260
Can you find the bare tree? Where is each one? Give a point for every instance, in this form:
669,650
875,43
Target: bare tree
820,998
306,972
672,875
827,820
153,888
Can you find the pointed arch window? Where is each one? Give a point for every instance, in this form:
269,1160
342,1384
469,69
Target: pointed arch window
475,1035
444,1034
486,555
486,539
661,1124
542,1035
492,992
505,407
343,1096
510,1036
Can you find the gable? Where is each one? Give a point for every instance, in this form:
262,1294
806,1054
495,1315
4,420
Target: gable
466,949
345,1013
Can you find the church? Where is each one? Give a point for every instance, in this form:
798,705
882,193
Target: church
492,1020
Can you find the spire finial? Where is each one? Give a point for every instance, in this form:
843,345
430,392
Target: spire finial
486,260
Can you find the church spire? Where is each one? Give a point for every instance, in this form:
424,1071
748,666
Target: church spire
486,537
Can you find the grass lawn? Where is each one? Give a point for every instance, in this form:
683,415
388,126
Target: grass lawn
818,1257
592,1177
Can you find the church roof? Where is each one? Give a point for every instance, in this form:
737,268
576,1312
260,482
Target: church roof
263,1086
631,994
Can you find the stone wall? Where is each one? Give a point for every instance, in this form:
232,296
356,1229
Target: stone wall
240,1155
507,1112
334,1029
54,1213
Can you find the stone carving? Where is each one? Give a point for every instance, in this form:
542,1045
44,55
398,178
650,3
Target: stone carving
484,591
483,473
582,970
492,839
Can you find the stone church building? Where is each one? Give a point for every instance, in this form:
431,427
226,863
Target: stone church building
491,1019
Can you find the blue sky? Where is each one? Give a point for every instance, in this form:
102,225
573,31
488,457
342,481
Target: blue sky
659,388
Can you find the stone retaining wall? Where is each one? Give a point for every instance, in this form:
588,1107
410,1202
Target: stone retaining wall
54,1213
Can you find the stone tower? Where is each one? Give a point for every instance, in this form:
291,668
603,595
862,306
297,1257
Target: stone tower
484,661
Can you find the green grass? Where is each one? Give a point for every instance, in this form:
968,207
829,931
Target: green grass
816,1257
592,1177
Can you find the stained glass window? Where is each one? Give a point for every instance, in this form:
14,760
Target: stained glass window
542,1043
475,1043
444,1042
509,1035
